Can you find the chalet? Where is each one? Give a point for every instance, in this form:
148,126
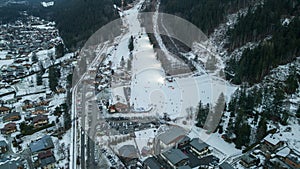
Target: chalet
272,142
293,160
40,120
39,110
199,147
175,158
170,137
248,160
40,145
152,163
128,152
3,147
46,159
121,107
4,110
9,128
12,117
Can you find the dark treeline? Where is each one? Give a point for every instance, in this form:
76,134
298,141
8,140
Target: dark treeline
207,15
261,21
282,48
76,20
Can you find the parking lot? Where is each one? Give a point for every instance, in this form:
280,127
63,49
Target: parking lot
126,126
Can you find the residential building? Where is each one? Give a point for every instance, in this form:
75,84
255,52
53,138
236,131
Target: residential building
199,147
39,110
9,128
4,110
45,143
40,120
169,138
152,163
12,117
46,160
272,142
248,161
175,158
3,147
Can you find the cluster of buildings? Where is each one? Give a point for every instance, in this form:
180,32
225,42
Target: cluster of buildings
186,154
272,152
19,41
42,153
171,148
28,49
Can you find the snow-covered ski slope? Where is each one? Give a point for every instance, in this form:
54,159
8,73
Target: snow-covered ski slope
150,92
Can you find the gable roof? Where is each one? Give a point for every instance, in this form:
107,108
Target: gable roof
171,135
175,156
128,151
272,139
44,143
198,145
152,163
47,161
45,154
39,118
6,117
4,108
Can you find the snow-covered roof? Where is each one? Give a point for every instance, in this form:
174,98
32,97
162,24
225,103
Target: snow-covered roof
43,144
283,152
171,135
175,156
272,139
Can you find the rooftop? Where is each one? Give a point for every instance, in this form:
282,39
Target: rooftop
44,143
152,163
272,139
171,135
198,145
47,161
128,151
175,156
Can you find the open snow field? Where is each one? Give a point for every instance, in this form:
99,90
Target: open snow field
154,94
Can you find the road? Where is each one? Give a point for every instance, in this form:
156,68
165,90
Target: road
74,114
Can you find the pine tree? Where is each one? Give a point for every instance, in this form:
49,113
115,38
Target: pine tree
243,136
130,45
262,129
